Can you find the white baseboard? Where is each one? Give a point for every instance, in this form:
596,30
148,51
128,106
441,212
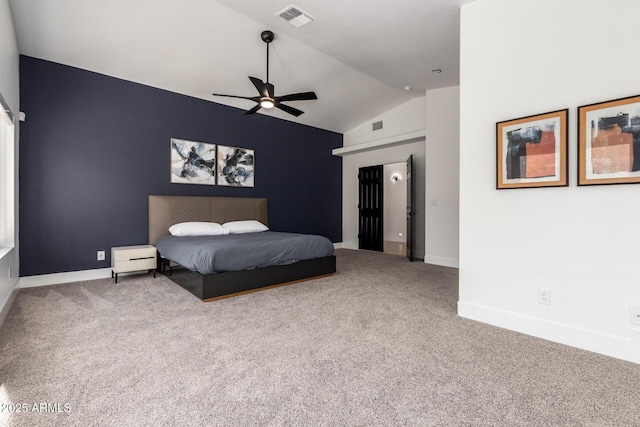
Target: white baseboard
7,304
354,246
443,261
338,245
350,245
57,278
609,345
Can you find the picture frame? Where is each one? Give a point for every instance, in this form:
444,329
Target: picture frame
236,166
609,142
193,162
532,151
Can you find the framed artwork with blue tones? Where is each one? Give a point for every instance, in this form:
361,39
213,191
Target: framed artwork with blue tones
193,162
609,142
532,151
235,166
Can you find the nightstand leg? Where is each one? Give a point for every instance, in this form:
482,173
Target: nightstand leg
116,277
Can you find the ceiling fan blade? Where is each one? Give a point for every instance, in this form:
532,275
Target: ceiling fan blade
253,110
302,96
270,90
252,98
289,110
260,85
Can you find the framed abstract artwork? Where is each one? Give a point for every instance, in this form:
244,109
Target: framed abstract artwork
193,162
532,151
235,166
609,142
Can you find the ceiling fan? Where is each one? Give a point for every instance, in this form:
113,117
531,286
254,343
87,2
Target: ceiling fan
267,98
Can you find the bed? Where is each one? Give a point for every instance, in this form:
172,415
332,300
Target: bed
165,211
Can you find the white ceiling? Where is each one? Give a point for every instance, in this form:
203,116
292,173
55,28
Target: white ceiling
358,55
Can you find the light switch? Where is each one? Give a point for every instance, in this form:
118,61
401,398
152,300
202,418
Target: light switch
634,314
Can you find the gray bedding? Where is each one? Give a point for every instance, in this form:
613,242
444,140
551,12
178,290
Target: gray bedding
232,252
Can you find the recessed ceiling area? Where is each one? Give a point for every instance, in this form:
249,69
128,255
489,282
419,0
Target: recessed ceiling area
357,56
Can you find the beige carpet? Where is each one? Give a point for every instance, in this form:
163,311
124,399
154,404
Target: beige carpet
379,343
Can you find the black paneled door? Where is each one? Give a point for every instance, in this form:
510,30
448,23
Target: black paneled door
370,208
410,212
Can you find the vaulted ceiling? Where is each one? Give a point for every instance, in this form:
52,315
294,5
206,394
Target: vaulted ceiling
357,55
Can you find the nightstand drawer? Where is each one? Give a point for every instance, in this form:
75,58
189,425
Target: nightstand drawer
135,265
132,253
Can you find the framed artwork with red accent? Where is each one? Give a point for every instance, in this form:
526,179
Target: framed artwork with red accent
532,151
609,142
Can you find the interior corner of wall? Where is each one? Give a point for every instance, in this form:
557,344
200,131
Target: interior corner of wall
6,305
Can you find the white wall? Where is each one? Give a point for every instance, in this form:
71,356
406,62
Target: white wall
442,176
436,164
409,117
405,118
8,58
9,87
523,58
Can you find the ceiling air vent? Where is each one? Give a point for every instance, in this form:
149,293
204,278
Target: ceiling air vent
294,16
376,125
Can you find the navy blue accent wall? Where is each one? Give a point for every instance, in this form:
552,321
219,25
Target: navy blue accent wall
94,147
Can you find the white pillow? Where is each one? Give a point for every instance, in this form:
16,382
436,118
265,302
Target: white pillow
197,229
249,226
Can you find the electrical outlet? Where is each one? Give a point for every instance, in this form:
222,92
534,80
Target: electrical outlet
544,296
634,314
101,255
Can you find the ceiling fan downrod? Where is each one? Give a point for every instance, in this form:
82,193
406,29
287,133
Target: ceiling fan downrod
267,37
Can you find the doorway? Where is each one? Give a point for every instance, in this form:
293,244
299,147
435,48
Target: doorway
385,211
395,201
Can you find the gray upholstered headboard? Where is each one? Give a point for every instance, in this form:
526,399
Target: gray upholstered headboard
164,211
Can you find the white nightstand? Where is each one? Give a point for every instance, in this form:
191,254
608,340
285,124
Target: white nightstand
125,259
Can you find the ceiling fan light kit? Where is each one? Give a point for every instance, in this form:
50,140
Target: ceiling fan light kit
267,98
267,103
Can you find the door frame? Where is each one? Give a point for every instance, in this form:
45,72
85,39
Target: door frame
403,208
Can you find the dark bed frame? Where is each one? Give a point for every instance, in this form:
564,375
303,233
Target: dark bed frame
164,211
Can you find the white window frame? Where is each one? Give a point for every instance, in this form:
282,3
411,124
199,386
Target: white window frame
7,177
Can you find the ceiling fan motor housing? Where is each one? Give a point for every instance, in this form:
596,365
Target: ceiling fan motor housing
267,36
